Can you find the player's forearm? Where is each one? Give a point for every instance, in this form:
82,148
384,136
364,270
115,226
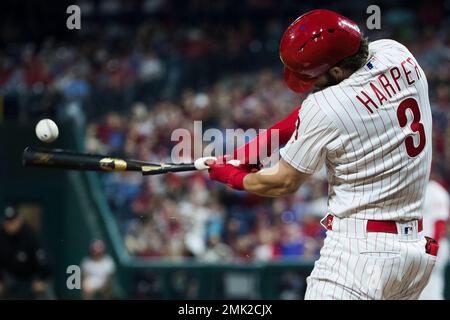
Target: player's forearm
281,179
265,183
250,152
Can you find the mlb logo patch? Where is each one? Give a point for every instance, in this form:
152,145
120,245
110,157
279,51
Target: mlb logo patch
370,65
407,230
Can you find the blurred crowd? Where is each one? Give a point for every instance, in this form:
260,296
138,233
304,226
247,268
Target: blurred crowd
111,65
135,83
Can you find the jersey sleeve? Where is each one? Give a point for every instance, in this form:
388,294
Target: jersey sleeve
246,154
307,148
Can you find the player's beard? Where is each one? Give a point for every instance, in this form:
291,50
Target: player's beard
330,81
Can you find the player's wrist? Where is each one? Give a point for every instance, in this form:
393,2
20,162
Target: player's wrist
232,176
236,180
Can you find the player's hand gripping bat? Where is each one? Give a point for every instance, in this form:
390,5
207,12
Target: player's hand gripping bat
64,159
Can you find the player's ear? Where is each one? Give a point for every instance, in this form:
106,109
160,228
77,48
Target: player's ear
339,73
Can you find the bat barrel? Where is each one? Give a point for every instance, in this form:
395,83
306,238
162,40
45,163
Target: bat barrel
76,161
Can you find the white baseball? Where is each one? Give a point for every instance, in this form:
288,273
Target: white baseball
47,130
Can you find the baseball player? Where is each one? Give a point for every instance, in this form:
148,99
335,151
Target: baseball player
436,213
367,119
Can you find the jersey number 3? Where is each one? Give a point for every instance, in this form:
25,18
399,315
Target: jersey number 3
416,126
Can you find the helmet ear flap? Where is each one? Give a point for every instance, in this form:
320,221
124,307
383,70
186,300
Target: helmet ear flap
296,83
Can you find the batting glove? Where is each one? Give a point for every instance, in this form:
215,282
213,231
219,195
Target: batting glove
232,176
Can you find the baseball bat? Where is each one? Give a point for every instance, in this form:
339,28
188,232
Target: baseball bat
65,159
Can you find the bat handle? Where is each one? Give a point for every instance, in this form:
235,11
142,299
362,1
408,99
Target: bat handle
201,165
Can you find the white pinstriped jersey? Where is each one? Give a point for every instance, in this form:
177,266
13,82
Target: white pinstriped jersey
373,132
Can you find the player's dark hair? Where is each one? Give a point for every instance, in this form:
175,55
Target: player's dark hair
352,63
357,60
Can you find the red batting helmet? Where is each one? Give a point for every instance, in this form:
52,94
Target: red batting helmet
314,43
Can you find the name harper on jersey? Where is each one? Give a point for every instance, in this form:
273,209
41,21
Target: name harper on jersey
388,84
